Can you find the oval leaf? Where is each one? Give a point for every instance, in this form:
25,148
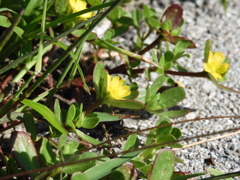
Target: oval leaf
163,165
172,96
24,151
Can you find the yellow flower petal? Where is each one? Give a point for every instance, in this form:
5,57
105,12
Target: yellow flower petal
223,68
216,75
79,5
116,89
215,65
219,57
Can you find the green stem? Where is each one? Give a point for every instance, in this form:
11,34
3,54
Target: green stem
95,105
38,66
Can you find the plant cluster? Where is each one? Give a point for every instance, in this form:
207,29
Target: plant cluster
31,31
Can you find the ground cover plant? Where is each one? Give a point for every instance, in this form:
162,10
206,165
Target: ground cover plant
75,96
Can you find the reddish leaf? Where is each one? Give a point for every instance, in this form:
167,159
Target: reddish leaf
173,13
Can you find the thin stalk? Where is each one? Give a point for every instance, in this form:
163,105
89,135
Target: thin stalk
38,66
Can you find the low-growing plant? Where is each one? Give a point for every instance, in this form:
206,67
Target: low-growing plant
31,32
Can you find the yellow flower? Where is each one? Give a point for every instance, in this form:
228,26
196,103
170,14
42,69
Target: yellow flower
215,65
79,5
116,89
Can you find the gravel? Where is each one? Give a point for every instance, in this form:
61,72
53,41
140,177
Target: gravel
206,20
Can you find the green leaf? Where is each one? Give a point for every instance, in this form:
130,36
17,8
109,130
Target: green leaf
153,23
176,31
109,34
31,7
168,138
131,143
168,56
133,95
157,84
71,116
138,163
70,169
139,43
7,9
137,17
163,165
147,74
163,131
57,111
103,84
146,11
4,22
62,141
173,114
115,14
207,48
124,21
154,105
87,138
176,132
78,175
224,4
127,104
172,96
30,125
94,2
146,169
61,7
181,176
90,121
106,117
18,31
125,172
68,149
46,113
96,76
215,172
47,157
24,152
107,167
142,95
166,25
154,56
181,46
